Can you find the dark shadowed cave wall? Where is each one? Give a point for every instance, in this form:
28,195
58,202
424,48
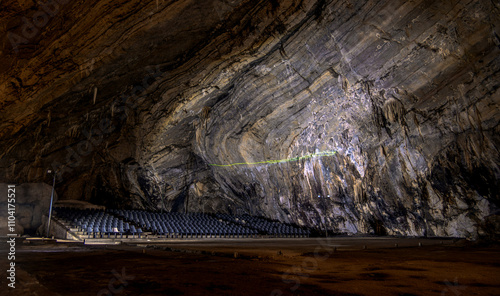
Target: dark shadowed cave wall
359,116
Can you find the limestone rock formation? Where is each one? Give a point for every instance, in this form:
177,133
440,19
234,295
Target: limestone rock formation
355,116
30,206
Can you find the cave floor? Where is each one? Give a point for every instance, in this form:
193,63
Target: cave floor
359,266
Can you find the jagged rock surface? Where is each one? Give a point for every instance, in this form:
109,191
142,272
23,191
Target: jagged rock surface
30,204
386,112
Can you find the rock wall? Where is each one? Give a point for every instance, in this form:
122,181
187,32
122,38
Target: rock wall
358,116
32,204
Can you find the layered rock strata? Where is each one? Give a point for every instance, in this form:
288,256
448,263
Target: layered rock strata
352,116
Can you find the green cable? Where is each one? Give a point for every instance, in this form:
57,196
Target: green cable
319,154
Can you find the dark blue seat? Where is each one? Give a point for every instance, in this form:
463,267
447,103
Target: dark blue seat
90,231
121,230
96,231
132,230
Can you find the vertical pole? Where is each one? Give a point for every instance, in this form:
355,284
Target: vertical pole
187,202
51,201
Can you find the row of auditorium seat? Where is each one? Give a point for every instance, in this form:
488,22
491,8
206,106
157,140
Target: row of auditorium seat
97,223
100,223
186,225
266,226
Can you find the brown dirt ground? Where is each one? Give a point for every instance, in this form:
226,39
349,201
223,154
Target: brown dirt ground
261,267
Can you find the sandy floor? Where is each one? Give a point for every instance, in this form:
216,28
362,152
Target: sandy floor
339,266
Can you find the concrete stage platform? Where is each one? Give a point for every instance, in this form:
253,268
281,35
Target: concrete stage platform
314,266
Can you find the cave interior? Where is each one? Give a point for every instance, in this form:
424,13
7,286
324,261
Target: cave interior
359,117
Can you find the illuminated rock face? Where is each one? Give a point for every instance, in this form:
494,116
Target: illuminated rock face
359,116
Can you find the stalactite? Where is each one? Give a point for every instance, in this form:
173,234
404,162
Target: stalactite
95,95
394,111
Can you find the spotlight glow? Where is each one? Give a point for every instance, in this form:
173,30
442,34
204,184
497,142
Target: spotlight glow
318,154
